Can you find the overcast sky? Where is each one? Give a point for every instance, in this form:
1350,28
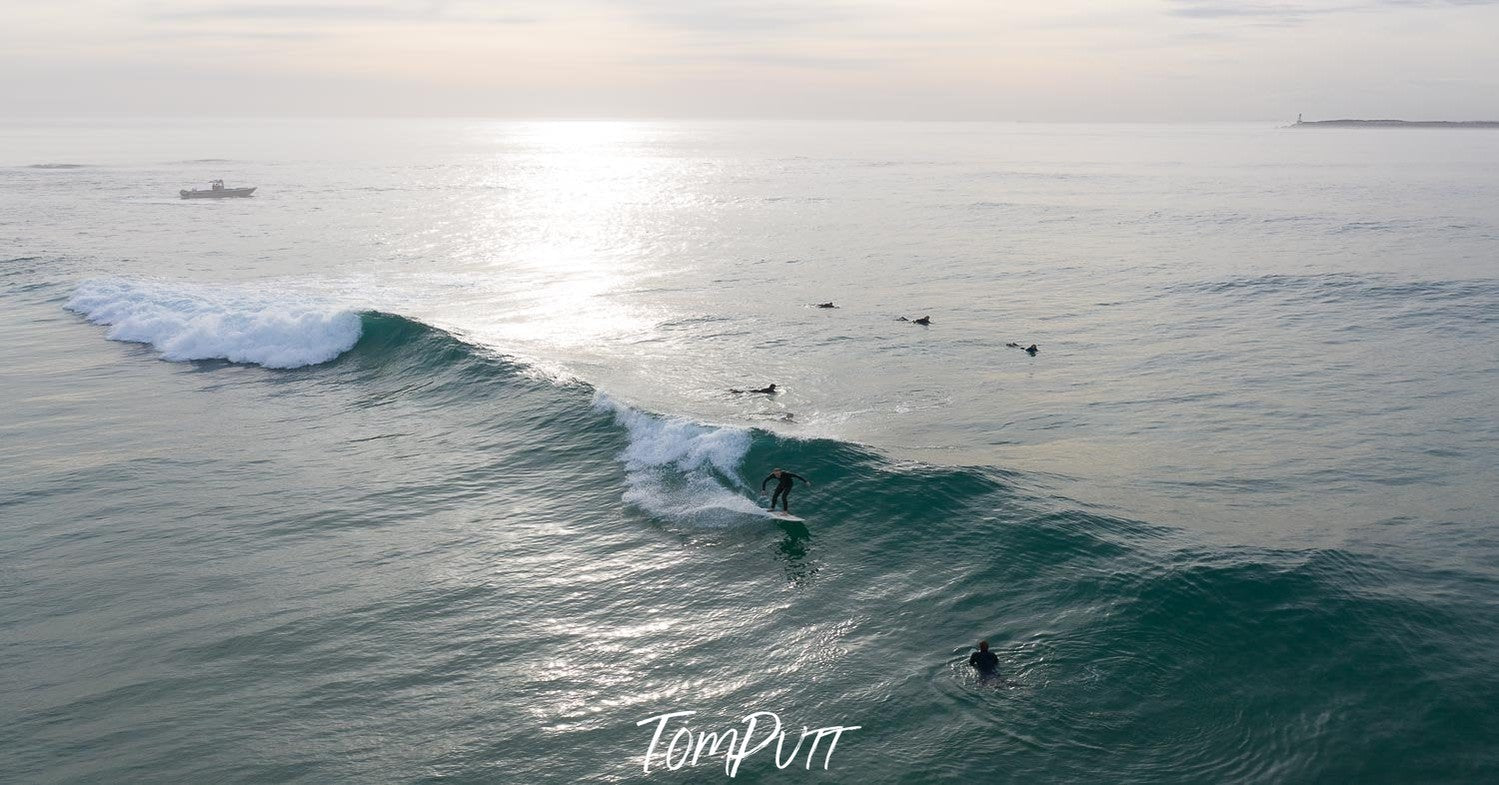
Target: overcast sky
940,59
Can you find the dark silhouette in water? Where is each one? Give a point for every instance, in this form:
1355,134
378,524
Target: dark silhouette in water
923,320
1031,350
986,661
783,487
771,390
987,664
828,304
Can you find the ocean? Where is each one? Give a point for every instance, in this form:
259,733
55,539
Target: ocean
421,465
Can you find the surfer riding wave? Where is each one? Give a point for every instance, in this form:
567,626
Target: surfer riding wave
783,488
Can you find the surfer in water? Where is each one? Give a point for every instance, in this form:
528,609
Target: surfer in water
783,488
771,390
987,662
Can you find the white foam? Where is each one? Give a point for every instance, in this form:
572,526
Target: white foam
680,469
195,322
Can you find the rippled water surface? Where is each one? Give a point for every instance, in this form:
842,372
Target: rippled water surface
421,464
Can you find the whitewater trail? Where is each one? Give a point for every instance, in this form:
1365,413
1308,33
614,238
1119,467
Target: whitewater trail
680,469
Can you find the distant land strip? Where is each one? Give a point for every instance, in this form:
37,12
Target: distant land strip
1396,124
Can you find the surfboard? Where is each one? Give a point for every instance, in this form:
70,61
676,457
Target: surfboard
785,516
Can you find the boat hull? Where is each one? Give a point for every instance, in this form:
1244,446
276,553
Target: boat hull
222,193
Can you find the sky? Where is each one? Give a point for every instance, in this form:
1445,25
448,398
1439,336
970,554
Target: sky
1059,60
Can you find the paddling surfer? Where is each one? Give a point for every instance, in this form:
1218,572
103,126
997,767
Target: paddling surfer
987,662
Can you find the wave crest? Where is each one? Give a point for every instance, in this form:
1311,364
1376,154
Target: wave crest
187,322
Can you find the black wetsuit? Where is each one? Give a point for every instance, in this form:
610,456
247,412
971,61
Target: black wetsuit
986,661
783,489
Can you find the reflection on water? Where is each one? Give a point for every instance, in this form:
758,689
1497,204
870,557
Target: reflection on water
794,549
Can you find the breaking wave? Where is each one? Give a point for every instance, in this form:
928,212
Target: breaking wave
189,322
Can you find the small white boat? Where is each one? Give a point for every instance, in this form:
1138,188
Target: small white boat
216,190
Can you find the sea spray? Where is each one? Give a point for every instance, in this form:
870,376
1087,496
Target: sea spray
681,469
196,322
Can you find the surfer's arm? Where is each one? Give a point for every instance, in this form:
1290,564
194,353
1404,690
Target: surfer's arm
798,477
764,481
973,660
